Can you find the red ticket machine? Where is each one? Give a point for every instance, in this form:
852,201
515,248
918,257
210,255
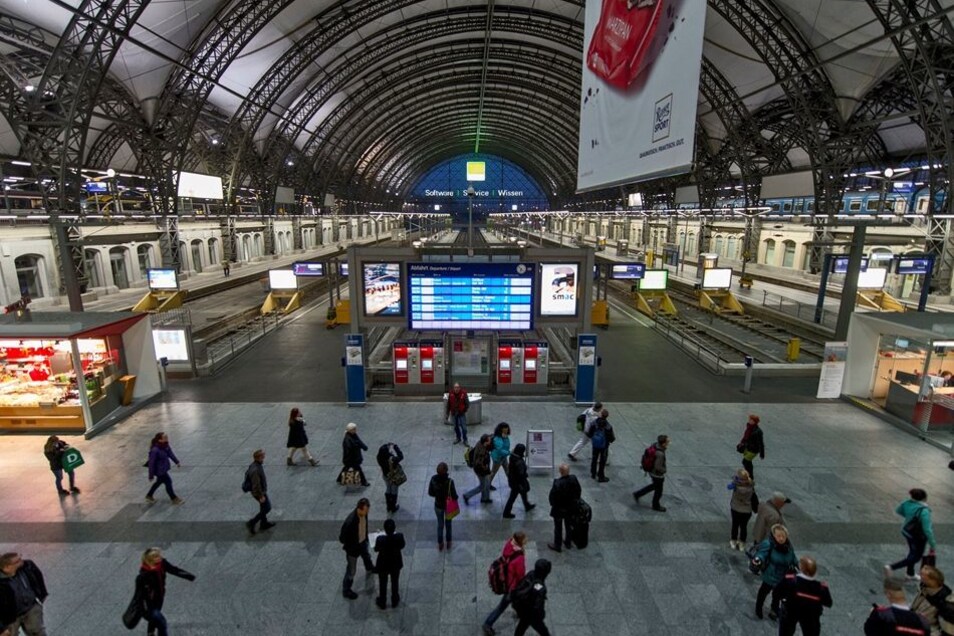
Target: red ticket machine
400,363
530,364
427,365
504,364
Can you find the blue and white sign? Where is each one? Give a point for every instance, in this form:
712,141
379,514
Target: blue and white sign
354,369
839,264
628,271
585,368
914,264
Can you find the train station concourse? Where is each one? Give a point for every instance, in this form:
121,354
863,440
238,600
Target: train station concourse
287,285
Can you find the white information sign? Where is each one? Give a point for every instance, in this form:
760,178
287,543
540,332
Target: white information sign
539,449
587,356
833,370
171,344
353,355
282,280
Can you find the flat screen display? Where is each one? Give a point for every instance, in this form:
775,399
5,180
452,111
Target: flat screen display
654,280
282,280
717,278
308,269
558,289
163,279
839,264
96,186
171,344
471,295
382,289
427,364
628,271
342,269
400,364
505,364
872,278
530,364
914,265
199,186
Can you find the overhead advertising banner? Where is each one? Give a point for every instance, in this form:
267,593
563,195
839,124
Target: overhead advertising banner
640,89
558,289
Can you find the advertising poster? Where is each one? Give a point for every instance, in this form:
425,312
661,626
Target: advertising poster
833,370
539,449
558,289
382,289
641,67
171,344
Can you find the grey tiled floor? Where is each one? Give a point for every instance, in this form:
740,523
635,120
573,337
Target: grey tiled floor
644,573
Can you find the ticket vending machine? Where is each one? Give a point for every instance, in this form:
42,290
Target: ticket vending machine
418,367
432,367
399,360
536,359
504,364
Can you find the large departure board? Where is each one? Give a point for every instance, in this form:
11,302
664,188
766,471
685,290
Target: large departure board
471,295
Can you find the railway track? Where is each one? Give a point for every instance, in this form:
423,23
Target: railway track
462,238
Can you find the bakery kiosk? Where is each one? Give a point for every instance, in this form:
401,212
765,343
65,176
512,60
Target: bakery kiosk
904,362
74,372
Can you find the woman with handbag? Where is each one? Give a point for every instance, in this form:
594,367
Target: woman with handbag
444,492
752,444
389,460
53,450
917,530
151,588
351,457
297,438
776,558
741,506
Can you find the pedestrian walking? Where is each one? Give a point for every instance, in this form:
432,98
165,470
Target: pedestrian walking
752,444
456,410
769,514
917,530
654,463
802,599
777,558
351,455
589,416
297,438
480,457
935,602
151,588
389,546
519,482
53,450
512,566
601,436
161,458
354,541
896,617
500,451
443,490
256,484
529,599
742,504
564,498
226,268
389,459
22,593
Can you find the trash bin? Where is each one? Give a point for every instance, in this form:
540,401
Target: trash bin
474,412
129,385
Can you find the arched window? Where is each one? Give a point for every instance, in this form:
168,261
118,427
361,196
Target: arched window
259,245
144,256
788,256
732,248
718,245
183,255
213,251
91,263
197,254
117,264
30,274
246,247
806,256
770,252
691,243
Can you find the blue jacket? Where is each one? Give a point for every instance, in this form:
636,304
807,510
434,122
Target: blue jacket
779,560
159,460
908,509
501,449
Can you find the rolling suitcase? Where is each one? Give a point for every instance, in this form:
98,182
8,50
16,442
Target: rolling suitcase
581,535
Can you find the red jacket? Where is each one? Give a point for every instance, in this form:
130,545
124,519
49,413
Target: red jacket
517,567
457,403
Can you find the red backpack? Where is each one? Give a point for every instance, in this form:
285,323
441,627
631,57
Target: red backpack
499,572
648,462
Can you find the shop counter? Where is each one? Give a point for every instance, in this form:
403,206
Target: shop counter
936,412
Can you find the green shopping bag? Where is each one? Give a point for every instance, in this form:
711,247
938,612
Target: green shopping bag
72,458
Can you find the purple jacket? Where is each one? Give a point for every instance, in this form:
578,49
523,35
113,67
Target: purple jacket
159,463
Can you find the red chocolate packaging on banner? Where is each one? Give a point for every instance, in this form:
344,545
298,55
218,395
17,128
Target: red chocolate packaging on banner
622,42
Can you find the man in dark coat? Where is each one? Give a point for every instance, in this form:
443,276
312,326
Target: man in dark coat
256,477
351,447
22,592
354,541
389,456
519,481
896,617
532,609
389,564
657,474
752,444
564,497
802,600
480,457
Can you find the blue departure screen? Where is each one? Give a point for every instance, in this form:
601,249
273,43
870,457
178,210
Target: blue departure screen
471,295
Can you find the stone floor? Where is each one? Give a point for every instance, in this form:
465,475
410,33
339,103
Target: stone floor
643,573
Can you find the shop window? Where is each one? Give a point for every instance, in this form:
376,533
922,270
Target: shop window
213,251
29,278
117,264
788,256
770,252
144,256
91,263
197,255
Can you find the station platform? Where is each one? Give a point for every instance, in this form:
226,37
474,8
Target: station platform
643,573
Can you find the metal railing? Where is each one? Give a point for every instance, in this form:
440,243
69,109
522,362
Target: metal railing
178,317
802,311
225,349
711,360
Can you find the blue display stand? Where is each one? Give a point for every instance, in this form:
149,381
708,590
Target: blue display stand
586,363
354,369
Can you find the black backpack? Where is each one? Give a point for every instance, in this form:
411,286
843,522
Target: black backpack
914,528
499,569
523,596
247,482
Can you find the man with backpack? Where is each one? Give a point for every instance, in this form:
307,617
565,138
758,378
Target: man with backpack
564,499
256,484
654,463
505,573
480,462
529,599
584,421
601,436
